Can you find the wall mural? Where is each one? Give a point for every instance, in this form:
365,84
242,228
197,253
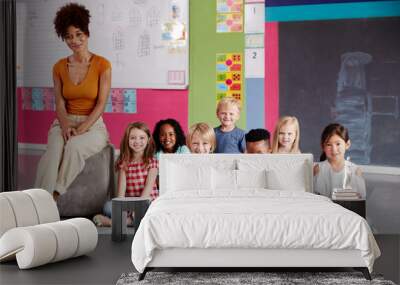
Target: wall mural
344,71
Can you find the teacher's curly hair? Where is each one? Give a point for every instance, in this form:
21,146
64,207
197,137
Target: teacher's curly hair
72,14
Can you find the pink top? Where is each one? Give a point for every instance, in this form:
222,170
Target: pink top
136,175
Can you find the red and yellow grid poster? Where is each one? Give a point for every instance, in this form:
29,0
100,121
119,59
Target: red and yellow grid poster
229,76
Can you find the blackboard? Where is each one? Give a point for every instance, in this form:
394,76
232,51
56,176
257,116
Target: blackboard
365,99
147,41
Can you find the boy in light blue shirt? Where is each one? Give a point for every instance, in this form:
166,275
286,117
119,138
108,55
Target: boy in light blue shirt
230,139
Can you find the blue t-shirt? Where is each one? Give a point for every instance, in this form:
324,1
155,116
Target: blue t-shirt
181,149
230,142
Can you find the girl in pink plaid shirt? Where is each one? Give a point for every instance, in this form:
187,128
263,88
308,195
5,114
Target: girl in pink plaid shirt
137,169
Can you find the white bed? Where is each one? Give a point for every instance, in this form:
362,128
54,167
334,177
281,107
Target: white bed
206,220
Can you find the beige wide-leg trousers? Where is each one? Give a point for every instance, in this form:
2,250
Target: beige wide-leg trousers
62,162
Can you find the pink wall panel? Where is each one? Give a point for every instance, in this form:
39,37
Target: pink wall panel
271,74
33,126
152,105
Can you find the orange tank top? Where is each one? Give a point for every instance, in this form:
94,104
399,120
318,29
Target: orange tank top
81,98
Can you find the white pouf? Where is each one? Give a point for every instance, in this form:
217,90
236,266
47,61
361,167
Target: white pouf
31,233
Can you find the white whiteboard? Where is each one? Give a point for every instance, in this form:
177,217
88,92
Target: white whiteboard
147,41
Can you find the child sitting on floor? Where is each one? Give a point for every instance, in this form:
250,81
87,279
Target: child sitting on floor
137,169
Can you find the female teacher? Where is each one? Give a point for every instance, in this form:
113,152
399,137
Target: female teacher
81,86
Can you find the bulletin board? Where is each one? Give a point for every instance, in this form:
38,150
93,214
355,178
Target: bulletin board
147,41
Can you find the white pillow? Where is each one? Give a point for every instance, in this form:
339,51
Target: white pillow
182,177
293,179
283,172
224,179
252,178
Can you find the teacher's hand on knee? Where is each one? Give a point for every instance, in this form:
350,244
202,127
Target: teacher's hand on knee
80,130
75,132
68,133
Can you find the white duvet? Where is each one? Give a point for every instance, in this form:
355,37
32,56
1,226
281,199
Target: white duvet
251,218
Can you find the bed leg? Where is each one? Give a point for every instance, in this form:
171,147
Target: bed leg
142,275
364,271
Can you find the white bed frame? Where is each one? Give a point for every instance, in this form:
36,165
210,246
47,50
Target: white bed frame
234,257
251,258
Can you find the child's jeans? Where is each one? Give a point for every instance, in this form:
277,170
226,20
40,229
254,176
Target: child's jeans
107,209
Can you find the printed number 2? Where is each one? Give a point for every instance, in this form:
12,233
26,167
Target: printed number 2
254,55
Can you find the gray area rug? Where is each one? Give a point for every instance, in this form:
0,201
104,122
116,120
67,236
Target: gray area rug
270,278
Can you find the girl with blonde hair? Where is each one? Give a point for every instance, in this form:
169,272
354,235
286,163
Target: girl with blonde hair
286,136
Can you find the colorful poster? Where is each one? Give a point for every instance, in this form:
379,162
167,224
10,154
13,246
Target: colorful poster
121,100
38,99
49,99
26,94
229,16
117,101
130,101
230,23
174,36
229,76
229,6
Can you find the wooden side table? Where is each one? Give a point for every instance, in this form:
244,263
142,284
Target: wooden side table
120,206
357,206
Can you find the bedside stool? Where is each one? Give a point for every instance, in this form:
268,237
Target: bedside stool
138,205
357,206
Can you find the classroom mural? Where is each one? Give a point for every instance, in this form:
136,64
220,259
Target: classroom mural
285,82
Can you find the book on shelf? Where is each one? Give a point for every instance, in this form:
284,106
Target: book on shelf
343,193
346,196
344,190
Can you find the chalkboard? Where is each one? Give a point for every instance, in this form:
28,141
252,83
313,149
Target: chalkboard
344,71
145,40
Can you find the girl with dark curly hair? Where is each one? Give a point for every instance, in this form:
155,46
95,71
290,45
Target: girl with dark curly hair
82,83
169,137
